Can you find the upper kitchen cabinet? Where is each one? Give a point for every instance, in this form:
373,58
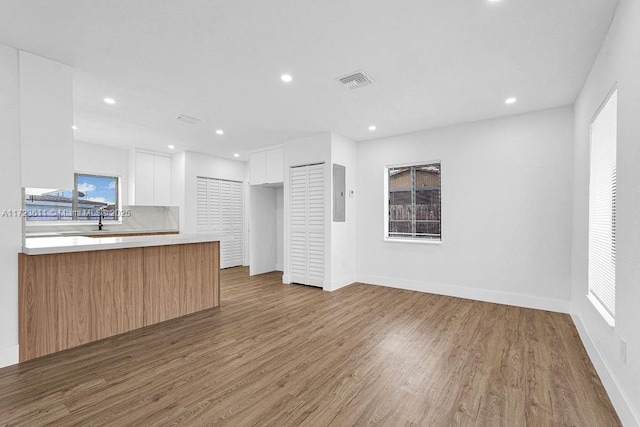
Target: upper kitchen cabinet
267,166
46,117
257,168
161,180
275,165
152,179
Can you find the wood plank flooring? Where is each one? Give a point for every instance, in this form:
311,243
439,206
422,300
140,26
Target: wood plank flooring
280,355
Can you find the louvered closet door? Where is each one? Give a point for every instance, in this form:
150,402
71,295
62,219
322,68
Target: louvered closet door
298,221
226,247
307,225
215,206
219,207
234,247
202,205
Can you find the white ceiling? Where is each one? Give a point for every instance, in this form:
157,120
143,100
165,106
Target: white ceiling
434,63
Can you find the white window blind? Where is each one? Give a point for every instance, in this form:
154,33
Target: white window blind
602,206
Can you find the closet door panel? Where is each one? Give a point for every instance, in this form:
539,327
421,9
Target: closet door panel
307,217
214,206
219,207
202,206
298,221
237,221
316,223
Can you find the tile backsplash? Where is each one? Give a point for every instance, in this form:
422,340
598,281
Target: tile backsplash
161,218
141,218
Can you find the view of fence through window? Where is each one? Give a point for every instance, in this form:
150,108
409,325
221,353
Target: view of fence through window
414,202
92,195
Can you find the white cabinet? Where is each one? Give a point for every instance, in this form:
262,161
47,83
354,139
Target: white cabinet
275,165
267,166
152,179
161,180
258,168
46,117
144,179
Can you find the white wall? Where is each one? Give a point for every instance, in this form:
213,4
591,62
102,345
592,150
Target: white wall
103,160
506,206
618,61
304,151
46,117
263,226
10,198
343,234
280,228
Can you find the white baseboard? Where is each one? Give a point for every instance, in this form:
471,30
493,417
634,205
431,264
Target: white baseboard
519,300
253,272
9,356
617,397
286,279
334,285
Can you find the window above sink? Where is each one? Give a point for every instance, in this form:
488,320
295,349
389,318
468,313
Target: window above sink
91,196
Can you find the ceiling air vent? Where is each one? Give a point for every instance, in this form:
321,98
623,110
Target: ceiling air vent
188,119
356,80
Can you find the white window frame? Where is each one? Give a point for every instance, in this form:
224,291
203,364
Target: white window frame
417,240
62,223
591,296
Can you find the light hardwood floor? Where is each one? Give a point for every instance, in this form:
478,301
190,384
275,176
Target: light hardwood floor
279,355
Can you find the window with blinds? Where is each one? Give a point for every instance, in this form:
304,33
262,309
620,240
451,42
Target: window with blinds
414,202
602,209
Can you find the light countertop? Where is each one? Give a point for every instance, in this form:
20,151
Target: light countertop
66,244
93,232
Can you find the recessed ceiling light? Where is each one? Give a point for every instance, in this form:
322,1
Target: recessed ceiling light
220,132
510,101
286,78
110,101
493,1
74,127
171,147
236,155
372,128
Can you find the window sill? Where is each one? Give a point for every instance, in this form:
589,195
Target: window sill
419,241
611,321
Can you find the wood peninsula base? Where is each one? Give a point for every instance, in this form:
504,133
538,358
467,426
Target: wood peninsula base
74,298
